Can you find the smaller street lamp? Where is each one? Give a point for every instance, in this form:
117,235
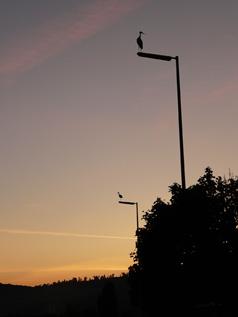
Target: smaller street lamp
132,203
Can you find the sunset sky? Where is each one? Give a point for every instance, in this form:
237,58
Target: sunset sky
83,117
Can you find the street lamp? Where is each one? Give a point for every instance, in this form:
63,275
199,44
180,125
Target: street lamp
137,217
167,59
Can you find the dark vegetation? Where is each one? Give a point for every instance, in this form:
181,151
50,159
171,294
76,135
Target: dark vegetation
99,296
186,259
185,264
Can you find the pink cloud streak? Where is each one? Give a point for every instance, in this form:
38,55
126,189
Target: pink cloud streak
56,36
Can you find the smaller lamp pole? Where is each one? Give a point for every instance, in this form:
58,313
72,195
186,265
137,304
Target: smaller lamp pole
137,215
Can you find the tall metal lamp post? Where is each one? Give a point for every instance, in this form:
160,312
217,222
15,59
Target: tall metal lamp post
137,216
167,59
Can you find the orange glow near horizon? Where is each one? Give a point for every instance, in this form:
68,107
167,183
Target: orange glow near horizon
102,258
47,276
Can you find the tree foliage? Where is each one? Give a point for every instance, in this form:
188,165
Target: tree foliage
187,253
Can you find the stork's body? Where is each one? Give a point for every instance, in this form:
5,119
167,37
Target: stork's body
139,41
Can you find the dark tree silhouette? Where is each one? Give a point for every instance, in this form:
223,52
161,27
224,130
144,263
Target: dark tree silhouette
186,256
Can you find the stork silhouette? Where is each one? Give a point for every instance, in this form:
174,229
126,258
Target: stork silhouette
120,195
139,41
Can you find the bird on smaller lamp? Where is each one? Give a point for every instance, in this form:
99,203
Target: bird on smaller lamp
120,195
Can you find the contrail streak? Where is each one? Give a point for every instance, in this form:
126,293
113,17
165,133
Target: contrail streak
63,234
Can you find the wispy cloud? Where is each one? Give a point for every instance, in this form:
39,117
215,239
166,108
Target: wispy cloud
224,90
63,234
63,32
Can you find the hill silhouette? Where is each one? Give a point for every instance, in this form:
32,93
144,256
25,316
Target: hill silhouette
99,296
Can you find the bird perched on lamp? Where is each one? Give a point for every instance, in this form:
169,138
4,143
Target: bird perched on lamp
139,41
120,195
